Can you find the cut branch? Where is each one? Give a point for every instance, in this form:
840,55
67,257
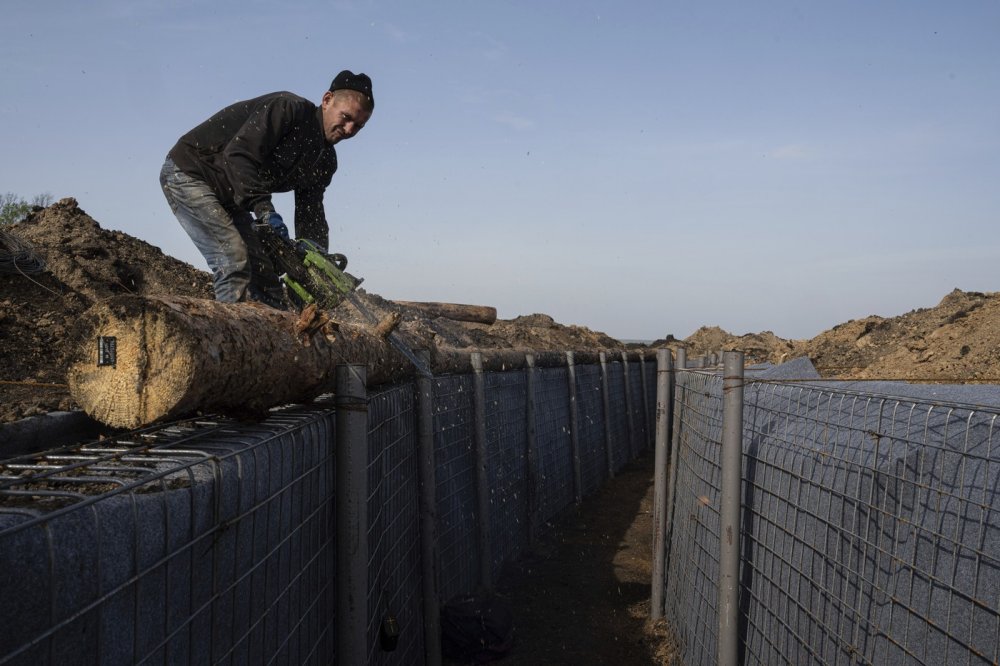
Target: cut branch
480,314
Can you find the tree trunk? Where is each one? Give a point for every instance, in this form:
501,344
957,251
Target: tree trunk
141,360
480,314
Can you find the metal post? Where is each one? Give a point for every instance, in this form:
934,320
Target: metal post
664,370
352,514
574,429
482,479
676,409
628,407
607,416
532,491
645,402
430,573
729,507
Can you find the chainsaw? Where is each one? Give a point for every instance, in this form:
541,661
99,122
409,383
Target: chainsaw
312,276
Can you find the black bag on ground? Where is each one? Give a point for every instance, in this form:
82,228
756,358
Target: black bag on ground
477,628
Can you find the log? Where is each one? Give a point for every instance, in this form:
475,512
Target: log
479,314
142,360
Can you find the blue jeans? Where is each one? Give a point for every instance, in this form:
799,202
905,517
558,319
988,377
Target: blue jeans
240,270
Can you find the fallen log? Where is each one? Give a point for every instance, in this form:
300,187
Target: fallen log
480,314
141,360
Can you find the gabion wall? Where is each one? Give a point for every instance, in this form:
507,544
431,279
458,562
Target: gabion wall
213,541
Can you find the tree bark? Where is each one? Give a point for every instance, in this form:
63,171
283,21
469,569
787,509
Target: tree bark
175,356
480,314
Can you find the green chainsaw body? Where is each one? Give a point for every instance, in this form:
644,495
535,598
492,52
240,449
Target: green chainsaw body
312,275
324,281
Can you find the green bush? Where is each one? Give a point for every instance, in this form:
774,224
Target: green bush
14,209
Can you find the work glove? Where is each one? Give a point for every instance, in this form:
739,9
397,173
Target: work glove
274,220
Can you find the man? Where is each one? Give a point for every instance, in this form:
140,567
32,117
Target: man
226,169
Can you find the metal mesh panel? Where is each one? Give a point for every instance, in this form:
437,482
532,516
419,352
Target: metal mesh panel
639,409
897,523
194,542
871,527
394,574
693,552
507,469
818,535
555,455
590,409
619,416
213,541
456,484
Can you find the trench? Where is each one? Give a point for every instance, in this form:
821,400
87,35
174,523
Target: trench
581,596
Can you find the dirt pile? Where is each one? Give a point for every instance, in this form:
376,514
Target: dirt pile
957,340
85,263
758,347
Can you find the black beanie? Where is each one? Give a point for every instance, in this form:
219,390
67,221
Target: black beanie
348,80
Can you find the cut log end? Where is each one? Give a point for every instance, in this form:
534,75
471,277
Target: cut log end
116,379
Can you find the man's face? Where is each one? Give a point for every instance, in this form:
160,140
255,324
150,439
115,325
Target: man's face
343,116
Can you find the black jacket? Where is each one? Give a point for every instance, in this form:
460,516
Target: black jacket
273,143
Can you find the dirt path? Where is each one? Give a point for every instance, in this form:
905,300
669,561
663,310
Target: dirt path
582,596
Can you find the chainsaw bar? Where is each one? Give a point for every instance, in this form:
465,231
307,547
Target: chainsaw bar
394,338
315,277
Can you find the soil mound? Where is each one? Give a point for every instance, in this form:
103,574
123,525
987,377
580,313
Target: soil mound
758,347
95,263
957,340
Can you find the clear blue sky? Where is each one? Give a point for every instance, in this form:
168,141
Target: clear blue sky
641,168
